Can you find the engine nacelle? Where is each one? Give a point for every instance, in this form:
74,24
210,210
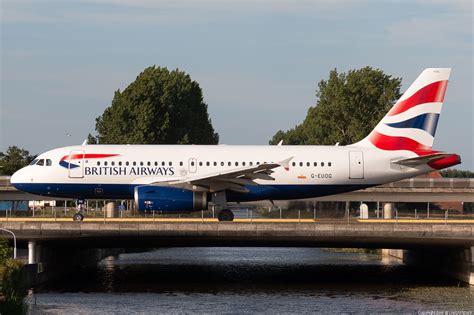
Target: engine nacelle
169,199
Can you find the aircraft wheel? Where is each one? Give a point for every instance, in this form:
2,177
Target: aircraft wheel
78,217
225,215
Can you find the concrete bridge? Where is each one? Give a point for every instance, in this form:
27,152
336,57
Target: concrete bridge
447,247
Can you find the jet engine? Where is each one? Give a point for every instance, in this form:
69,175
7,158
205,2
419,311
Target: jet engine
169,199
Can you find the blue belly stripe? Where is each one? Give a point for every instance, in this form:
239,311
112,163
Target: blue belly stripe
125,191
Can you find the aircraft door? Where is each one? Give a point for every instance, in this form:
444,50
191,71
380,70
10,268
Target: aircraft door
356,164
76,164
192,165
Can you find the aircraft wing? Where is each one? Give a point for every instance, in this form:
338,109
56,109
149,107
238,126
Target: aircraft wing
234,179
419,160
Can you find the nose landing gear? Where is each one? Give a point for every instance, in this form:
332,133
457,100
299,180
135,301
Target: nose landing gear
78,216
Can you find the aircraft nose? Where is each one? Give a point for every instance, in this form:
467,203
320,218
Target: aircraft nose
17,178
14,178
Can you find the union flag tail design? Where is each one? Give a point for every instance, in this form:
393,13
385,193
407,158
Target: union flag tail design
412,121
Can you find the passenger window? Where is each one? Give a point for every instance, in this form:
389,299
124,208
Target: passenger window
315,163
322,164
170,163
294,163
250,163
229,163
243,163
181,163
127,163
156,163
148,163
141,163
105,163
134,163
258,163
208,163
48,162
222,163
98,163
200,163
301,163
308,164
236,163
163,163
120,163
192,163
329,164
40,162
112,163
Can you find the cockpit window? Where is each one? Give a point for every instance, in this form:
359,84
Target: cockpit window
40,162
34,162
48,162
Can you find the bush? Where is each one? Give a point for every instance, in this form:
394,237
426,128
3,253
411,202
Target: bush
13,294
6,251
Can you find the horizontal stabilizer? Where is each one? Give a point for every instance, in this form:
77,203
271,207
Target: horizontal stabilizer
420,160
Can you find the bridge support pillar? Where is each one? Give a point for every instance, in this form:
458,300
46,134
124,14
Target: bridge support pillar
388,210
111,210
32,252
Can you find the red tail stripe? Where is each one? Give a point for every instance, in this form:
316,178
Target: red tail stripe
445,162
384,142
86,156
431,93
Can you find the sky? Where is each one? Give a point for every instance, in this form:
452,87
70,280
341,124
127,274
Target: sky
258,62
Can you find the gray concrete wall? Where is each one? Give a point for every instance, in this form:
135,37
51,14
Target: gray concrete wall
457,263
182,233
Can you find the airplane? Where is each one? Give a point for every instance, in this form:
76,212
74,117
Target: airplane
186,178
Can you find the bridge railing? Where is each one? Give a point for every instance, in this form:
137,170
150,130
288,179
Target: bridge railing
417,212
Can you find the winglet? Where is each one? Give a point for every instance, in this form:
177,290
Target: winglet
286,163
85,142
280,143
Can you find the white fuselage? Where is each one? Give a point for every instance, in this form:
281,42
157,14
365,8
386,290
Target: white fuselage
112,171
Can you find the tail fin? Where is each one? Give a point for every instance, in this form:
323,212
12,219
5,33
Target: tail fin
412,121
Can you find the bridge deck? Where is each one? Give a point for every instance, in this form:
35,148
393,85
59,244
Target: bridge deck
243,233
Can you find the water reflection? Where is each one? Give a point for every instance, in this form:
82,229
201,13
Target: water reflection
235,280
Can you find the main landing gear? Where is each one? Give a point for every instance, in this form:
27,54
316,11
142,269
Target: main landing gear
225,215
219,199
78,216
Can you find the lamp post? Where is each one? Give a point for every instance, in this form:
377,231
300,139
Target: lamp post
14,241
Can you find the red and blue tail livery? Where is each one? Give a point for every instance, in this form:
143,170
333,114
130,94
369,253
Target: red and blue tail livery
411,123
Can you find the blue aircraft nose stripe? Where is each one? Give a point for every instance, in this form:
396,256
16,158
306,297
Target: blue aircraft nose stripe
66,164
427,122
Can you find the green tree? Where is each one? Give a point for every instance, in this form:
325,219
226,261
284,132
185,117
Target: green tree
91,139
348,107
14,159
160,106
455,173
